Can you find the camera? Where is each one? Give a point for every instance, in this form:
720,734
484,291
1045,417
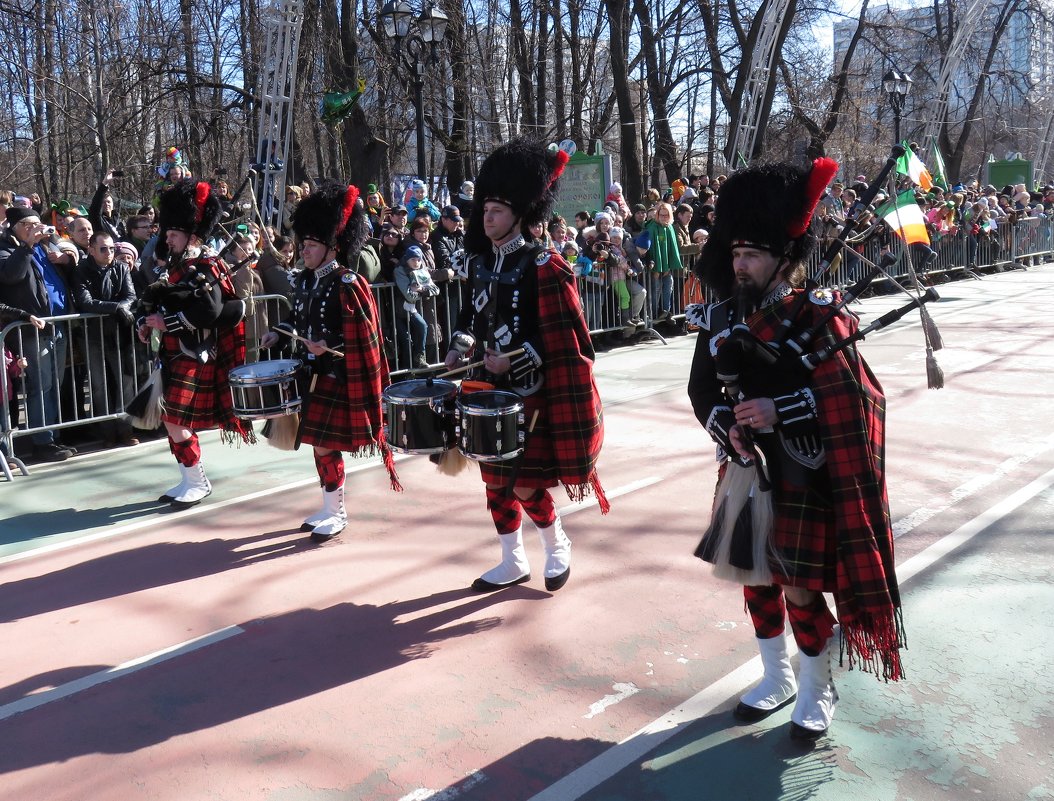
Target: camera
48,230
118,173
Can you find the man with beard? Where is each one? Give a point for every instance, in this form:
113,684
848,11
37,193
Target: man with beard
801,508
200,318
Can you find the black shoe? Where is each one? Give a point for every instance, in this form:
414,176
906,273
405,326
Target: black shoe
52,452
751,714
482,585
556,582
320,538
802,734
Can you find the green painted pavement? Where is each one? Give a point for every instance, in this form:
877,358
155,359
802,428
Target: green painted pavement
974,719
110,490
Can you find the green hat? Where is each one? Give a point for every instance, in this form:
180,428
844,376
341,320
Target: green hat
371,189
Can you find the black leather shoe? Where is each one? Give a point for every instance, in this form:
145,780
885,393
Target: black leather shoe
482,585
52,452
801,734
320,538
556,582
751,714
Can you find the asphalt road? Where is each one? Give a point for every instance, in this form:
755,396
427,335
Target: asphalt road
216,654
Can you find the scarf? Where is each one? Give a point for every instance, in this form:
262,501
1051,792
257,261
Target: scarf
367,371
851,412
664,251
576,417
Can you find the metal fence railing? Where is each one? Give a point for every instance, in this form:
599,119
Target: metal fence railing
84,368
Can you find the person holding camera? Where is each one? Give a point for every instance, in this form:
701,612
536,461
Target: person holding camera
29,281
101,212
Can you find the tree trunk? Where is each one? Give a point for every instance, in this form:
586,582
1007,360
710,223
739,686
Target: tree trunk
665,145
629,145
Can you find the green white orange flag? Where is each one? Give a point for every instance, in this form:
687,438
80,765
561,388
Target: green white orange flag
911,165
940,175
903,215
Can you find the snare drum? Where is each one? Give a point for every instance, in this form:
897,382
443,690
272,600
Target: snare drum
419,415
266,389
490,426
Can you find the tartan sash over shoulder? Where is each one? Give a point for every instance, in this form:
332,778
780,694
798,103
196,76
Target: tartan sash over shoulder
575,413
851,412
230,353
367,371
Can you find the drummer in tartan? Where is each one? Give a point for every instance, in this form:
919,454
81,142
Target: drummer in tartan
817,435
524,299
339,342
201,320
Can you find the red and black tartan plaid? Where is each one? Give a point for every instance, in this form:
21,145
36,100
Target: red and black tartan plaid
767,609
811,625
843,545
541,508
573,412
345,415
504,511
197,395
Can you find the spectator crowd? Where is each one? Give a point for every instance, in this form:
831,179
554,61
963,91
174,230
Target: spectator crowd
632,258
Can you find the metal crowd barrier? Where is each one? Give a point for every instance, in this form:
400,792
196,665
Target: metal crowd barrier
86,367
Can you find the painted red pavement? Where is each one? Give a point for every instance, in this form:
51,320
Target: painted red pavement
364,669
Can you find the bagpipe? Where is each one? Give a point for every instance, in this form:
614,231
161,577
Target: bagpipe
738,540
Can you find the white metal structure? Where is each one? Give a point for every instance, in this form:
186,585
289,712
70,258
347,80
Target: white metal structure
950,68
757,81
282,21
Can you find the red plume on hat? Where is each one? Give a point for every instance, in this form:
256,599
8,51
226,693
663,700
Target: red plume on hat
201,197
333,215
822,173
189,206
351,195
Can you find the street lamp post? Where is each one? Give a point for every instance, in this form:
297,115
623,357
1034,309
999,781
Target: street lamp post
408,47
897,85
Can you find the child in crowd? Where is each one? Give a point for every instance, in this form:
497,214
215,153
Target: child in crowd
415,284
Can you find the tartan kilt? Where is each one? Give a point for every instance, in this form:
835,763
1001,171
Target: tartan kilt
329,421
539,469
804,533
192,394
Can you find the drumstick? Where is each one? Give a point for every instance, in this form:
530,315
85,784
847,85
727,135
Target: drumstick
465,367
305,339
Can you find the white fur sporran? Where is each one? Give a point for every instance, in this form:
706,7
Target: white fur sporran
740,529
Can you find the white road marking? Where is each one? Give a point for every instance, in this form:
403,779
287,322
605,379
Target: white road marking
450,793
703,703
119,671
623,690
154,520
974,485
590,502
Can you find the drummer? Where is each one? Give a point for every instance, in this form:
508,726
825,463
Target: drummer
524,303
338,339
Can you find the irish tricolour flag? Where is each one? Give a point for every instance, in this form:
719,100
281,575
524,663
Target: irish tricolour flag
903,215
911,165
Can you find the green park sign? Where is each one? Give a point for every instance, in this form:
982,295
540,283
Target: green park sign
584,185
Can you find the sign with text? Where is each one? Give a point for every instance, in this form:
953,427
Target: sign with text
584,185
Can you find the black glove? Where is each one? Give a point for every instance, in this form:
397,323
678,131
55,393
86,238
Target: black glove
125,315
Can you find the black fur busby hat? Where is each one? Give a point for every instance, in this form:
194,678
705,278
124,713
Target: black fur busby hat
334,215
767,206
522,174
189,206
